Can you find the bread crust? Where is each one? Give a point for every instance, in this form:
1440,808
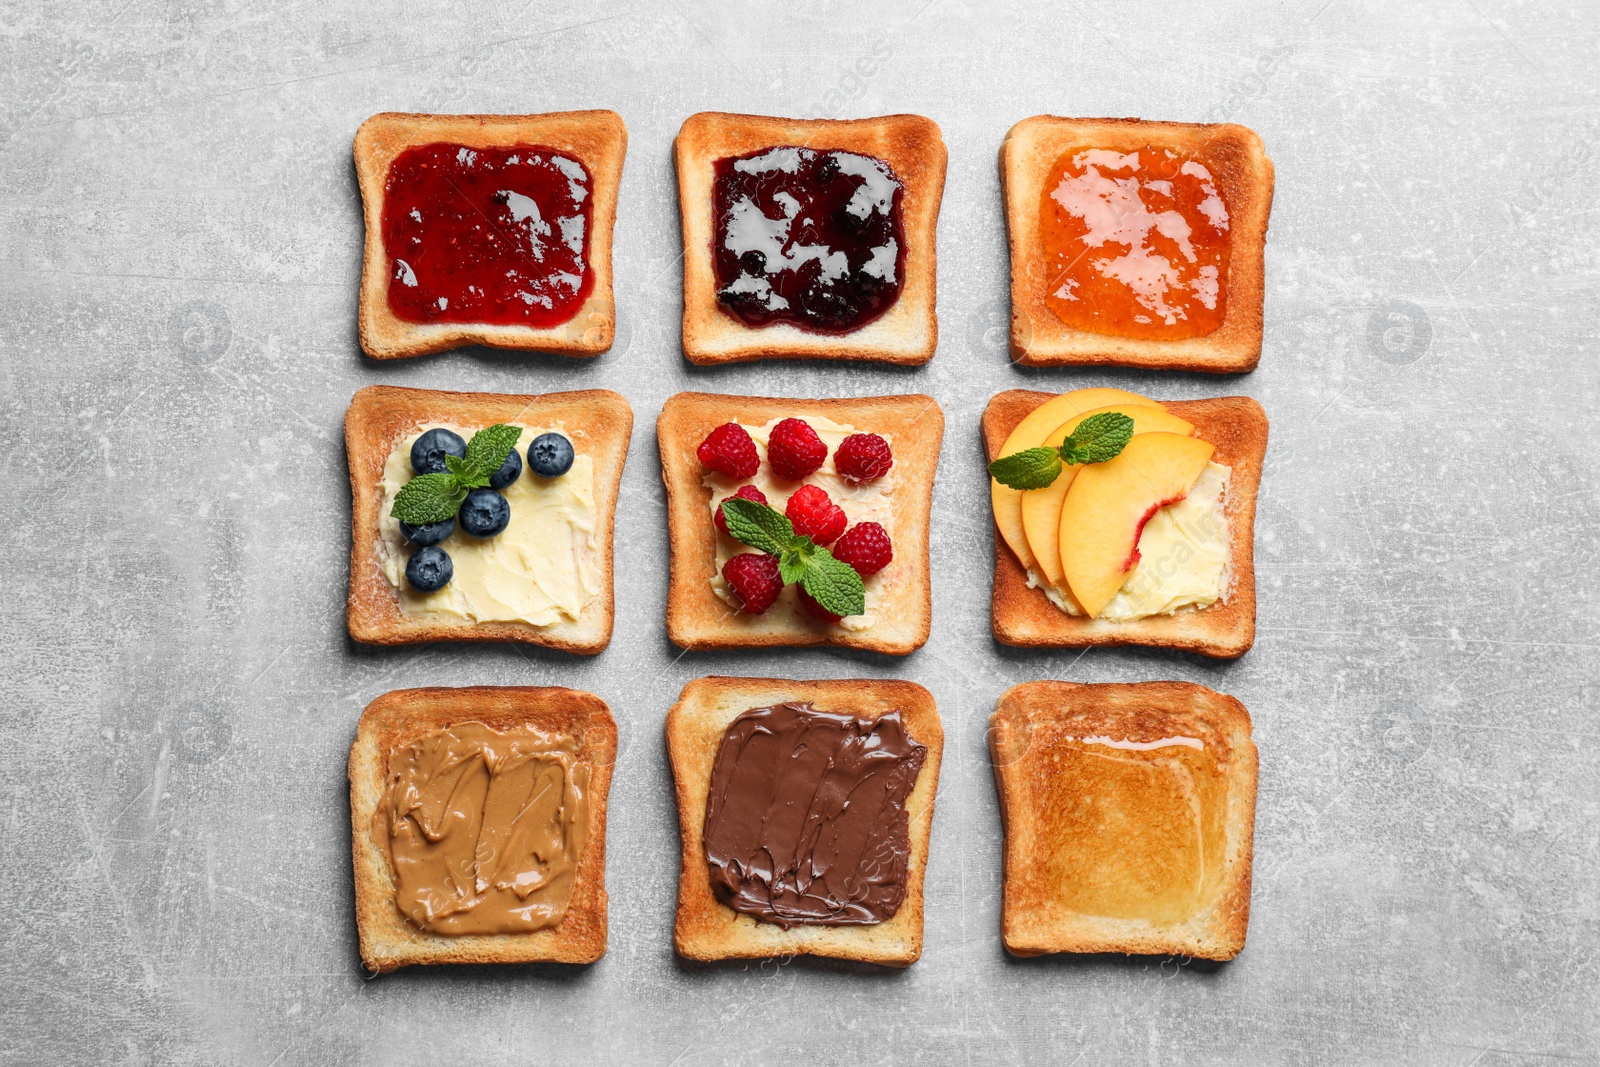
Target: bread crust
398,717
1021,616
907,333
698,619
597,139
380,416
706,929
1033,922
1244,175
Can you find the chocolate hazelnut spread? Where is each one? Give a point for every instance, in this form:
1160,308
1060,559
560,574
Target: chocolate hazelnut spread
806,818
483,829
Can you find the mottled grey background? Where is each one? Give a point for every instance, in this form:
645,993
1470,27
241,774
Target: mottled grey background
180,251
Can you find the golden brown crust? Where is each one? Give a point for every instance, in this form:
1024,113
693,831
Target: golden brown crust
1244,175
599,422
698,619
398,717
1025,719
907,333
597,139
1237,426
707,929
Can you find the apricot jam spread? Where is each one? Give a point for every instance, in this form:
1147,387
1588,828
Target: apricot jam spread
807,237
1135,243
1141,826
498,236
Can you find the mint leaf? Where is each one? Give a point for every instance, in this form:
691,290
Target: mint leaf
1032,468
488,449
794,560
1098,438
429,498
465,474
834,584
760,526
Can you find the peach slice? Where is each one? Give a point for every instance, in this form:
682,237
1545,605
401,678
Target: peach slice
1041,508
1028,434
1108,504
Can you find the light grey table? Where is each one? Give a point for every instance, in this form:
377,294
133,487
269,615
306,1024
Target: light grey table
179,247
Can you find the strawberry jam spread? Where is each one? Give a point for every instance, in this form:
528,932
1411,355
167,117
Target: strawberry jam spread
1135,244
806,237
487,235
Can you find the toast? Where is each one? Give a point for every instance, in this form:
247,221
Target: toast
1058,887
907,332
1244,176
1022,616
597,139
599,423
707,929
396,719
698,619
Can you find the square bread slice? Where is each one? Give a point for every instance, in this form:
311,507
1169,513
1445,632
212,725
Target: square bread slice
1022,616
698,619
1243,173
905,334
1049,812
598,421
396,719
707,929
597,139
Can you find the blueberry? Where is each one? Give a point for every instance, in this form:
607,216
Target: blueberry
429,450
485,513
429,569
550,455
509,471
754,261
431,534
828,169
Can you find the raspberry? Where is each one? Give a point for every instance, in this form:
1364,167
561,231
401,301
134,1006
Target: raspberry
729,450
817,610
866,548
744,492
794,450
814,515
862,457
755,580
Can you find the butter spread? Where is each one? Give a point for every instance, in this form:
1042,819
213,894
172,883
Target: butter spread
1139,827
867,502
806,818
540,569
1185,556
483,829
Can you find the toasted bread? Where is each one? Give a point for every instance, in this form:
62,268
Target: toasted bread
597,139
598,422
707,929
1043,806
1243,173
1237,426
698,619
905,334
399,717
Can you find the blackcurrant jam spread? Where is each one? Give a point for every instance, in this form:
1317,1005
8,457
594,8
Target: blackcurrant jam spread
807,237
497,236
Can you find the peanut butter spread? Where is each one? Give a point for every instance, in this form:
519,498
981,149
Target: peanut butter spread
483,829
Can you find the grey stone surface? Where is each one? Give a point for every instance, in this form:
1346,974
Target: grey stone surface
179,248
